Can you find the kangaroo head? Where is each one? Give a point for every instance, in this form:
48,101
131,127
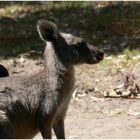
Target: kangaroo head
80,52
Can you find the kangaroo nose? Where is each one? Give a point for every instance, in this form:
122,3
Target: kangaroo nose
101,54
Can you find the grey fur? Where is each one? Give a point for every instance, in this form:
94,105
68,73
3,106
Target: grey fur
39,102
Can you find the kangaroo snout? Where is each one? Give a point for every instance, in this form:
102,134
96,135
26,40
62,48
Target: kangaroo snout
100,55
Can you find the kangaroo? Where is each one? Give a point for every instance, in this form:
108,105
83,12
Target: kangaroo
3,71
38,103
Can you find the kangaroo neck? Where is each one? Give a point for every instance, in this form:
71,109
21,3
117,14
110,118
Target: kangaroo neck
53,63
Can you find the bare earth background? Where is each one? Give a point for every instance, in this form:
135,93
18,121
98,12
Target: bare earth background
97,109
91,115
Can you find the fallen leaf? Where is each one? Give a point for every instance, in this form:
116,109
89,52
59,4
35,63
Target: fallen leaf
112,112
74,95
120,86
133,113
97,99
126,93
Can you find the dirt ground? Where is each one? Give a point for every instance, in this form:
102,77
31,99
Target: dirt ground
114,28
90,115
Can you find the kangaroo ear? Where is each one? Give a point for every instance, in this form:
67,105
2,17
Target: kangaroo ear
48,30
3,71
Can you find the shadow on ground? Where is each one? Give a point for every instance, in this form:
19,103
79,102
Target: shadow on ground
113,28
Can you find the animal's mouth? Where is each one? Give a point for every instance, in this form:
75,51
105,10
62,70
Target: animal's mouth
96,59
100,56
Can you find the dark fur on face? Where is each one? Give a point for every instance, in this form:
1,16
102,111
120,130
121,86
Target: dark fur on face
39,102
